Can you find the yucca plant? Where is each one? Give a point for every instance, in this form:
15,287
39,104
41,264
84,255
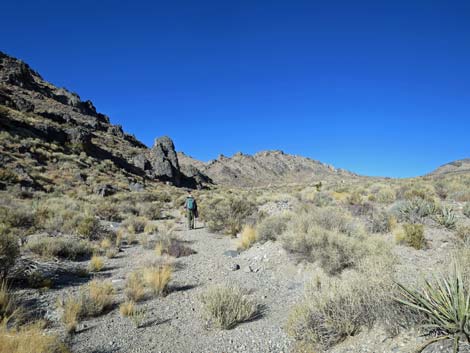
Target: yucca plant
446,217
444,304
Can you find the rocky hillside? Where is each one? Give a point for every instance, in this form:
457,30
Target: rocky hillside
50,139
264,168
459,166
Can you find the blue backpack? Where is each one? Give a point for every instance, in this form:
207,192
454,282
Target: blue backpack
190,203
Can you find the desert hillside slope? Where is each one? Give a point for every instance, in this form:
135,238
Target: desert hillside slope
458,166
265,168
53,138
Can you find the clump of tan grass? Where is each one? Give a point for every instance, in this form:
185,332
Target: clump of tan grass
248,237
157,278
96,264
228,306
135,289
127,308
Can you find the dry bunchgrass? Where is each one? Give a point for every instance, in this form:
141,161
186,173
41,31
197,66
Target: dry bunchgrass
60,247
127,308
157,278
92,300
135,289
227,306
72,307
247,237
9,309
28,339
96,264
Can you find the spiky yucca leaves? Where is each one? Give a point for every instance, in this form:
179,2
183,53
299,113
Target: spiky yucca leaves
446,217
445,305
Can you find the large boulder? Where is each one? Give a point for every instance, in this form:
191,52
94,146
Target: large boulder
164,160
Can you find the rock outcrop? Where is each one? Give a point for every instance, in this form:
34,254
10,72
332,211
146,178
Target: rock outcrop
34,109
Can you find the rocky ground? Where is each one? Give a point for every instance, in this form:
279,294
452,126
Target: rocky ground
176,323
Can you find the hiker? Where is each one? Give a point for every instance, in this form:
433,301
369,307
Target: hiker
191,209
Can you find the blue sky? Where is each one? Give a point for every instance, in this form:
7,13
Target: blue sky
377,87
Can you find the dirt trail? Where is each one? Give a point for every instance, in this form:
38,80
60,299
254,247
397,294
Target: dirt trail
176,324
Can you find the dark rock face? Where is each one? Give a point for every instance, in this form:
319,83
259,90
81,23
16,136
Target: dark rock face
59,116
164,160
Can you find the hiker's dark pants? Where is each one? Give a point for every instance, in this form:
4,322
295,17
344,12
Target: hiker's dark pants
190,219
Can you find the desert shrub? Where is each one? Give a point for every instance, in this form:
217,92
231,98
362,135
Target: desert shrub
466,209
150,228
151,211
417,191
135,289
64,248
135,225
108,211
270,228
228,214
444,304
322,199
88,227
247,237
355,198
29,338
363,209
228,306
335,308
461,195
463,234
157,278
446,217
413,235
16,216
96,264
9,251
415,210
380,222
385,195
332,241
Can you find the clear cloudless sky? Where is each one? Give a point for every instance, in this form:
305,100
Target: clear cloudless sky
380,87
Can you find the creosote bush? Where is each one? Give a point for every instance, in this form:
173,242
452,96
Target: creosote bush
228,306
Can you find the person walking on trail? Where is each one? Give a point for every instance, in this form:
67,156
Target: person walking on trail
191,209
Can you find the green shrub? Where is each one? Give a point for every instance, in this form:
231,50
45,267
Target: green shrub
50,247
108,211
385,195
9,250
228,306
414,235
272,227
88,227
228,214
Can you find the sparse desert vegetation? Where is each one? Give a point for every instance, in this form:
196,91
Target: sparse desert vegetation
93,233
